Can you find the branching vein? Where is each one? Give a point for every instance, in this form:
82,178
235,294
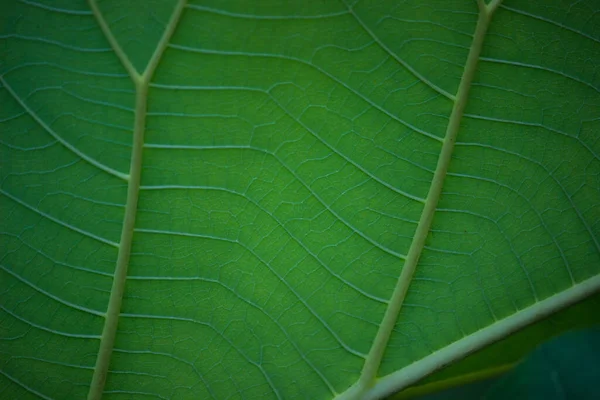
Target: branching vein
373,361
141,82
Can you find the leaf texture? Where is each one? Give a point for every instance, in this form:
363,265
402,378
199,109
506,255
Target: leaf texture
290,199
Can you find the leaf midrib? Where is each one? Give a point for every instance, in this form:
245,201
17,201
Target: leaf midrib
141,83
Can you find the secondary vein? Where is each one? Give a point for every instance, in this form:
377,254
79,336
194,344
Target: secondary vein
373,361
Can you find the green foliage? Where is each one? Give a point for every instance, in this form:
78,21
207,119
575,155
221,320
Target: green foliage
234,199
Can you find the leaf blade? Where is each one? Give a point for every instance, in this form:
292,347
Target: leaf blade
281,186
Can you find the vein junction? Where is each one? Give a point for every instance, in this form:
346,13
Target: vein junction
141,83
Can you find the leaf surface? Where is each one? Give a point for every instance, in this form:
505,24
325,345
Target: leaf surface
289,199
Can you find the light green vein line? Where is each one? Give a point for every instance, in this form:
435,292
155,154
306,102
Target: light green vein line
373,361
139,374
51,362
49,330
555,23
24,386
130,394
272,17
50,295
141,82
54,43
486,336
185,234
59,222
399,60
46,256
532,124
62,141
164,41
54,9
47,64
541,68
128,65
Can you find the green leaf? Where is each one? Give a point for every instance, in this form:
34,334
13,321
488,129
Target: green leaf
291,199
